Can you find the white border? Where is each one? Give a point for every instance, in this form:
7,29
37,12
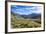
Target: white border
24,29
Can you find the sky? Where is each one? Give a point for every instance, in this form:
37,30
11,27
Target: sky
25,10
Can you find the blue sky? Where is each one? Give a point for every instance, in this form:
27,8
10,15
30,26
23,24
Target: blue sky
25,10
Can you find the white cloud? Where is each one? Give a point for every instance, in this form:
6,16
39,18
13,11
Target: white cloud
27,11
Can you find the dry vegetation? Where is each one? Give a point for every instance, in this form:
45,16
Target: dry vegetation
24,23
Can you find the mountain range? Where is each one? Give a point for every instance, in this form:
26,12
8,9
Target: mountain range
32,16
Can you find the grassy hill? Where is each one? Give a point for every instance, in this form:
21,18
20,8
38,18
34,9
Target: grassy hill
19,22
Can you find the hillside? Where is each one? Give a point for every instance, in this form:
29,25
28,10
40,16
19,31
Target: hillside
19,21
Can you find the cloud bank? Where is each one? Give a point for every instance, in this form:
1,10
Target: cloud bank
25,10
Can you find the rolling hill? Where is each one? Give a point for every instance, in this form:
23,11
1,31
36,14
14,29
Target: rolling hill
25,21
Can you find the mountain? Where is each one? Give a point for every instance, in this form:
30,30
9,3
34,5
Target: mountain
30,16
33,16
